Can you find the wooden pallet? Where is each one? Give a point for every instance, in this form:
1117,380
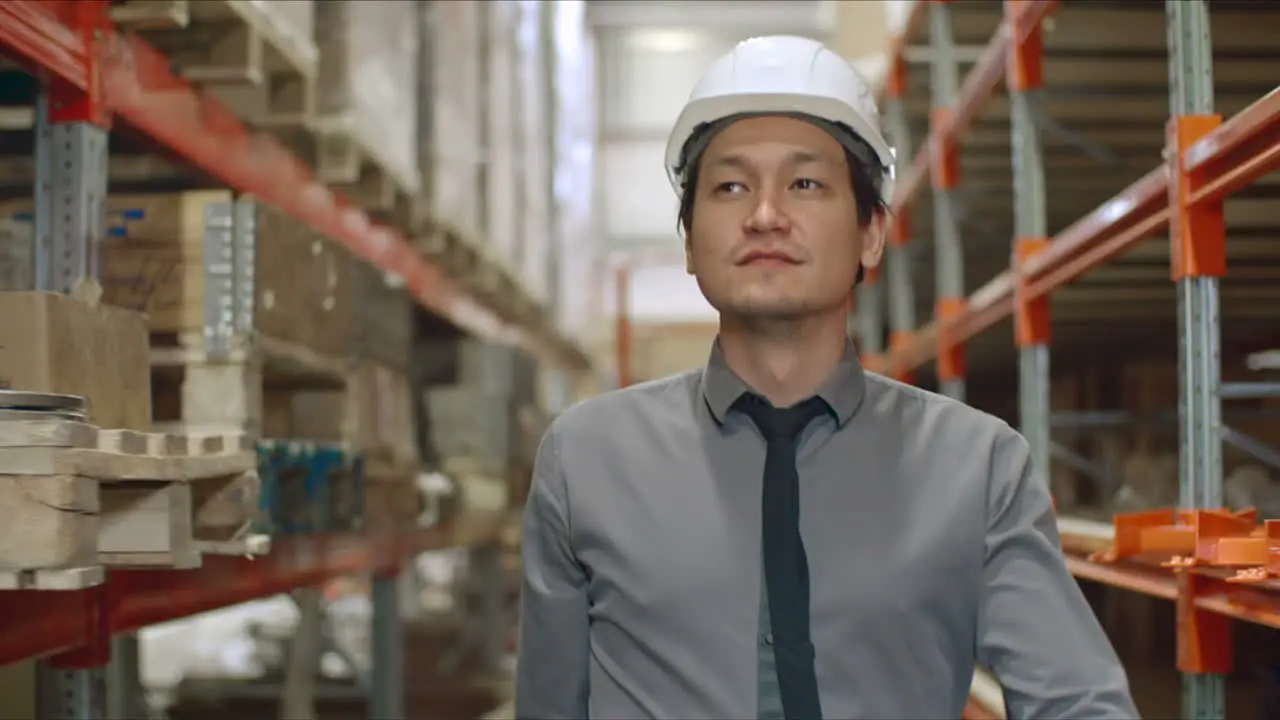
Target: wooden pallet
76,498
241,390
350,166
468,262
233,50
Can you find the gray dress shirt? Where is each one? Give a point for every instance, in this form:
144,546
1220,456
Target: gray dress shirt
931,546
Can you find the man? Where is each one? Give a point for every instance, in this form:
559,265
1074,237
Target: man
687,556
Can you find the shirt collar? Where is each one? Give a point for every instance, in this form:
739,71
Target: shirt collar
843,390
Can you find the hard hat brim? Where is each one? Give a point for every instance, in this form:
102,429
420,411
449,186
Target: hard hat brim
710,109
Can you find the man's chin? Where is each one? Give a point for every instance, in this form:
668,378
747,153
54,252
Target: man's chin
769,308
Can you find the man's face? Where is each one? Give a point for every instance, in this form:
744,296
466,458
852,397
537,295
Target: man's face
775,232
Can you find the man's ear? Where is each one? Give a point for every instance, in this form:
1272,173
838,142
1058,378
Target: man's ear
873,239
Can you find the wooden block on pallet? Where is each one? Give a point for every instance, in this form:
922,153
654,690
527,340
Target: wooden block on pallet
85,497
55,343
392,499
50,522
258,58
372,415
466,260
243,390
366,107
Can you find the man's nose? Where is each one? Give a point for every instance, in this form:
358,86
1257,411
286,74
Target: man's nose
767,216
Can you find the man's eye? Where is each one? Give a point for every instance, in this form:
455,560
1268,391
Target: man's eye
807,184
729,187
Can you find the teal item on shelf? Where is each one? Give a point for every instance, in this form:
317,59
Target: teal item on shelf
310,487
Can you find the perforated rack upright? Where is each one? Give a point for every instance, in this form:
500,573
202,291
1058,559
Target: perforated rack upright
1206,159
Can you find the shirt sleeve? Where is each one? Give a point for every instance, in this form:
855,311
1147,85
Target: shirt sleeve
554,646
1037,633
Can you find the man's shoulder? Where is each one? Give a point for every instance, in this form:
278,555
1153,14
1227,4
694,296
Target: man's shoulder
924,411
610,412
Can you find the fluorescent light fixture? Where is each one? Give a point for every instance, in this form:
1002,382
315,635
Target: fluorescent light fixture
672,40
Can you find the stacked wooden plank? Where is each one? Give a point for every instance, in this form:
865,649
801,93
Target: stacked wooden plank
85,483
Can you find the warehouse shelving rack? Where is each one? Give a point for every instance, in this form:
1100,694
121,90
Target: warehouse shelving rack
1206,159
97,76
93,76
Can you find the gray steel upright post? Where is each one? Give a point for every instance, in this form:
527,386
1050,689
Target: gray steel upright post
869,317
298,696
386,692
1199,369
1030,221
125,697
70,200
902,299
70,217
949,253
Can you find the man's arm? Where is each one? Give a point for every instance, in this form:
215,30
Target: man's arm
1036,631
551,671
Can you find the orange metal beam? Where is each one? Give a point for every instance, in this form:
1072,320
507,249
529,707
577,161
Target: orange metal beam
978,86
53,622
1146,552
622,324
1258,603
898,47
1237,153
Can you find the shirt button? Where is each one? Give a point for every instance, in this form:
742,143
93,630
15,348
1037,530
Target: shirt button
768,639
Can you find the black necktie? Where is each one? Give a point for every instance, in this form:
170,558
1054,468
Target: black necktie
786,568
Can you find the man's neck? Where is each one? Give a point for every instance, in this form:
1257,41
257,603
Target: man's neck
785,363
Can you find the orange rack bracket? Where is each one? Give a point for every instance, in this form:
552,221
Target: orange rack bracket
950,344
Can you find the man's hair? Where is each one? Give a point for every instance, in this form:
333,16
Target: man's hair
866,190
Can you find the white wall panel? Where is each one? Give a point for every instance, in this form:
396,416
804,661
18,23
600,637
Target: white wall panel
649,73
637,198
666,293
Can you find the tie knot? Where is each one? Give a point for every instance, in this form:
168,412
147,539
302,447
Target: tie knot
781,423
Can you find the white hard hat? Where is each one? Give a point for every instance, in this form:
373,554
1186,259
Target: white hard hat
782,74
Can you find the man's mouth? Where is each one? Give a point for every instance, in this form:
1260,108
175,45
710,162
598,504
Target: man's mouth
767,258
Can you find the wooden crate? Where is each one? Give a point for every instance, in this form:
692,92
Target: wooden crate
372,415
391,500
382,318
